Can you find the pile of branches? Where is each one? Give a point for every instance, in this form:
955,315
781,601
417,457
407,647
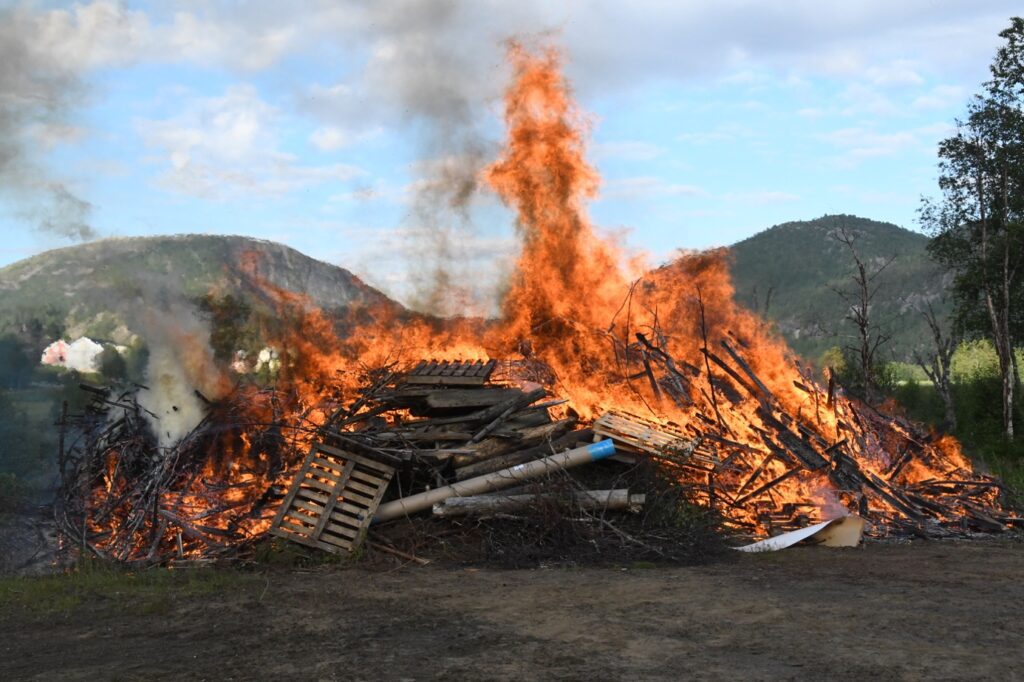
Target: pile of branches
826,445
125,498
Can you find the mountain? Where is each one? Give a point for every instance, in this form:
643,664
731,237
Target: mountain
790,272
108,289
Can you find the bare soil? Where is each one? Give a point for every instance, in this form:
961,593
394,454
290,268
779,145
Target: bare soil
886,611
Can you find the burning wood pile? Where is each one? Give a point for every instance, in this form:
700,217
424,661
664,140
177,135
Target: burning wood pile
605,357
443,437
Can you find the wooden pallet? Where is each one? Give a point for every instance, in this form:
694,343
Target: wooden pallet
332,500
451,373
647,436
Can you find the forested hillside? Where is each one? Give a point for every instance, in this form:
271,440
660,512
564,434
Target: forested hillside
790,274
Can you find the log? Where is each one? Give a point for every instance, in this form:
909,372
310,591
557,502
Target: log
489,504
524,438
509,407
747,369
468,397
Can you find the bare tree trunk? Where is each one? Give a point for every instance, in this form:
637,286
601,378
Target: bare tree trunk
999,314
869,337
937,365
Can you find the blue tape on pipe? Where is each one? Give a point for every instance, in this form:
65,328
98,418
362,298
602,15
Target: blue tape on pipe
605,448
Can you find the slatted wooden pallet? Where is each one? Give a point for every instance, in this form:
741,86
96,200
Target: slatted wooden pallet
332,499
647,436
451,373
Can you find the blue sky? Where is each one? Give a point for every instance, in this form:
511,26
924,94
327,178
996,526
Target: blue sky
339,128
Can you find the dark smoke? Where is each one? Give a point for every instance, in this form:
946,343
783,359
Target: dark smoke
36,94
435,66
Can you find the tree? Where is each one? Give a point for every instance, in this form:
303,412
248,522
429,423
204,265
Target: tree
937,361
978,223
870,338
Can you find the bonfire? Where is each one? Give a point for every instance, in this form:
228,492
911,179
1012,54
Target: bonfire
585,327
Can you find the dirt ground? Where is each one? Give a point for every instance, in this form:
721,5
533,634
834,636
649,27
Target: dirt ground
930,610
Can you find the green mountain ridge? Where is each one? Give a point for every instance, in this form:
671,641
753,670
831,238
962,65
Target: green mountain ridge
108,289
789,273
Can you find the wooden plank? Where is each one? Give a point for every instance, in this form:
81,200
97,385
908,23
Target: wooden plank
367,478
343,531
353,522
298,503
359,487
312,495
294,514
469,397
330,475
329,464
385,469
332,548
357,497
768,486
342,508
312,482
295,527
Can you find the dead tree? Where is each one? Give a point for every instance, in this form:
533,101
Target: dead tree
937,361
869,335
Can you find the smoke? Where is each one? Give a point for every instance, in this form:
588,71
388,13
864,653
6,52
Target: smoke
438,87
180,363
37,96
434,68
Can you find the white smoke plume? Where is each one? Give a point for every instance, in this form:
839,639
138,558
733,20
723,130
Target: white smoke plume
180,363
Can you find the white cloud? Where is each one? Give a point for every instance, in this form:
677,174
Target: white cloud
627,150
941,97
330,139
761,197
221,146
859,144
648,187
94,35
727,132
862,98
333,138
899,73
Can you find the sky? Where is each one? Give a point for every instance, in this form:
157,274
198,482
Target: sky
354,131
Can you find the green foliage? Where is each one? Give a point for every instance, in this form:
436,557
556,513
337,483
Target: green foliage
977,395
229,318
978,222
833,358
920,400
112,364
850,377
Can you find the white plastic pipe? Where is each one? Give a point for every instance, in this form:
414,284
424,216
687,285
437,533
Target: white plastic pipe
494,481
480,505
